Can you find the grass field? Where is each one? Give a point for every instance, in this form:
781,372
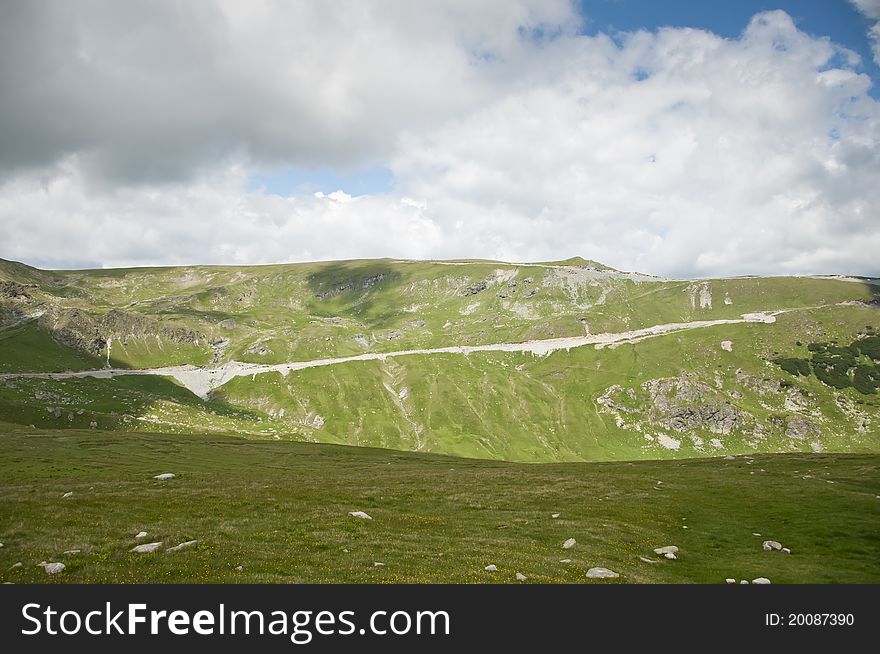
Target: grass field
279,510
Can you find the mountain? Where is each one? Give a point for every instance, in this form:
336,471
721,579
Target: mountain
559,361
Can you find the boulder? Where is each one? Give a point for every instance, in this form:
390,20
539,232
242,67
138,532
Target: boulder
601,573
52,568
359,514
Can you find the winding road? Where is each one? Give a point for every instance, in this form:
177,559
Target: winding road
202,380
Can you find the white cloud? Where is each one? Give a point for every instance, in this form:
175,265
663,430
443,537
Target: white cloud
676,152
871,9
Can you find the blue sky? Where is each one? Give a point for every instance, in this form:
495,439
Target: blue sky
836,19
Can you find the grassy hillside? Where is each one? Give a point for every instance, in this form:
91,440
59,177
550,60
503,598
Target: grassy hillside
279,510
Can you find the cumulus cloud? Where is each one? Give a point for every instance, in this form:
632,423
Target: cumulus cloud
871,9
509,135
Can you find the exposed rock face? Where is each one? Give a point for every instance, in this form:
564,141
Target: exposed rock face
684,404
473,289
364,284
801,428
74,328
13,291
79,330
258,348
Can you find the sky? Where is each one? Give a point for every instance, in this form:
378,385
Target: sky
678,138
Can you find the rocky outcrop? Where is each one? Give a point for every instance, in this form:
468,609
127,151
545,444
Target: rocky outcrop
74,328
800,428
13,291
337,288
685,404
473,289
79,330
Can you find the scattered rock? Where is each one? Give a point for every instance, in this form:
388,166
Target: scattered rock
645,559
730,457
770,545
491,568
71,551
520,576
52,568
378,564
16,565
761,580
568,544
473,289
566,561
182,546
146,548
601,573
164,476
554,515
727,346
67,494
239,568
93,425
730,581
140,534
666,549
786,550
359,514
755,533
744,582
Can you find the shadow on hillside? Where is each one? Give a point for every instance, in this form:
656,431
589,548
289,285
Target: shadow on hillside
351,290
122,402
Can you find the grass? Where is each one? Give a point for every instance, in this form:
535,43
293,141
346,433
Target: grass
279,510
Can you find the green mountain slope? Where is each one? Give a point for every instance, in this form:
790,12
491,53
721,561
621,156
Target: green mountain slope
710,390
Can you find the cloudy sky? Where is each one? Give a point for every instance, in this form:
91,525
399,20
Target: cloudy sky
678,138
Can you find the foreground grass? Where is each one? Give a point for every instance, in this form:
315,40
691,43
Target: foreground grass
279,510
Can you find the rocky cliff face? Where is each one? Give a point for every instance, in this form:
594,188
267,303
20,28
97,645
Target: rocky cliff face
77,329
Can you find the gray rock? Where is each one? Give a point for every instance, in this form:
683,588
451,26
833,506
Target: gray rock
743,582
786,550
800,428
761,580
645,559
730,581
473,289
601,573
359,514
378,564
146,548
520,576
770,545
164,476
666,549
491,568
52,568
140,534
568,544
182,546
67,494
